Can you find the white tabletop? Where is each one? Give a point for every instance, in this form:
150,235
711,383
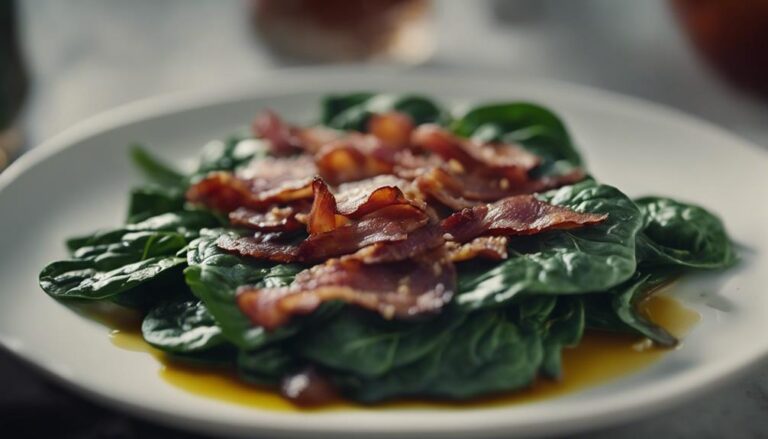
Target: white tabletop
90,55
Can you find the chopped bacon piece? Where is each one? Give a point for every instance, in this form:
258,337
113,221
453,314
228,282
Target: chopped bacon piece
262,184
285,139
462,190
394,129
395,290
502,160
484,247
518,215
323,217
355,157
276,219
270,246
365,196
389,224
355,200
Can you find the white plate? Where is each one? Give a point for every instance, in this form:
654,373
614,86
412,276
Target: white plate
79,180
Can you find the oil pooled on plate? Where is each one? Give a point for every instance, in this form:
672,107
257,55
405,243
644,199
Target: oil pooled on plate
600,358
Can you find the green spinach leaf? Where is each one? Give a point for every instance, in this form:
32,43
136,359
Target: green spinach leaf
151,200
80,279
487,353
562,262
229,154
533,126
564,329
156,170
618,310
681,234
182,326
352,111
267,366
365,344
105,270
214,276
186,223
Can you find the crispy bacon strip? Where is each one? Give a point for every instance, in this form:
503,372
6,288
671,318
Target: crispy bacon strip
355,157
354,201
392,224
462,190
395,290
485,247
276,219
365,196
264,183
324,216
285,139
275,247
502,160
518,215
389,224
418,242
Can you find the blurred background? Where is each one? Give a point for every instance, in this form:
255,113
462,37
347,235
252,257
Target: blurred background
62,61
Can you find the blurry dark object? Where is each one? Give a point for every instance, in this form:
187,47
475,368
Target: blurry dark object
13,83
733,36
518,12
343,30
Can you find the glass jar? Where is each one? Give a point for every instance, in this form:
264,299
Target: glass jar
342,30
13,83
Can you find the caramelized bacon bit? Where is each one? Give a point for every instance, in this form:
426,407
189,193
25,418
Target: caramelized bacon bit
485,247
395,290
518,215
394,129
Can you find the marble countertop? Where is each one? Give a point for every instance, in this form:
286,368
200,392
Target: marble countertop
87,56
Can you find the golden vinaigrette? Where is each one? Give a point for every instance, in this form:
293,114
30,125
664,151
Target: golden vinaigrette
599,358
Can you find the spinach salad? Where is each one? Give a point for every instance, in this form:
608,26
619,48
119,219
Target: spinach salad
394,249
